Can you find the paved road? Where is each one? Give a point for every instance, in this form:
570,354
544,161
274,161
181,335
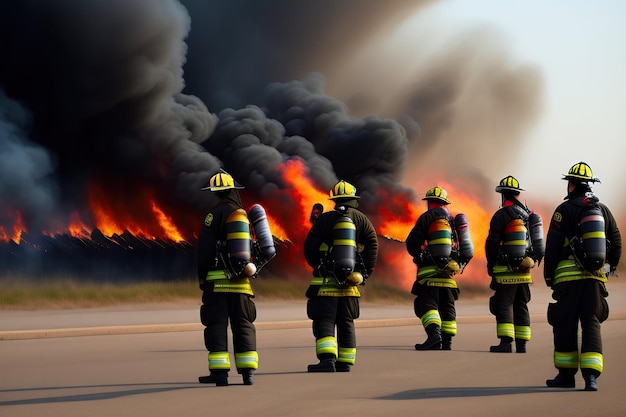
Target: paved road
154,373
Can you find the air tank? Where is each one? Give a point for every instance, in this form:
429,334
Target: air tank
514,239
343,253
440,241
466,246
262,231
593,237
535,224
238,240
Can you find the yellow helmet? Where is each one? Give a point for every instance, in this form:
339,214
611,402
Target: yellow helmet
343,189
437,193
580,172
509,183
222,181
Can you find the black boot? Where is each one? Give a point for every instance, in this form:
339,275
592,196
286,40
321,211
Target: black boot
562,380
219,378
520,346
590,383
504,346
433,342
342,367
446,341
248,376
325,365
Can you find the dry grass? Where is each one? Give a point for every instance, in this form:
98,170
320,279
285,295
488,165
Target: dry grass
63,293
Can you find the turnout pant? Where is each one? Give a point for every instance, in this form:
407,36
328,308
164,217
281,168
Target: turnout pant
217,310
328,313
510,306
436,305
578,301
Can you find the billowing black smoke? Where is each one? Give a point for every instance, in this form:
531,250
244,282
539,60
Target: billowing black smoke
129,95
104,84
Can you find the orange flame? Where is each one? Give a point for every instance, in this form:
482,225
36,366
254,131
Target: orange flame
277,230
305,193
166,223
17,228
77,227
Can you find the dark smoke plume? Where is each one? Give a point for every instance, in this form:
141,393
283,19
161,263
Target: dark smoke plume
140,98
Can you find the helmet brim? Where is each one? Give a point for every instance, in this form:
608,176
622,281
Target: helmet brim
439,199
568,177
236,187
343,197
504,189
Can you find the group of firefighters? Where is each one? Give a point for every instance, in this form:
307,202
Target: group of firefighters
582,248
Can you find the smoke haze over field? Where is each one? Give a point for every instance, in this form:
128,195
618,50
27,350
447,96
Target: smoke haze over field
148,99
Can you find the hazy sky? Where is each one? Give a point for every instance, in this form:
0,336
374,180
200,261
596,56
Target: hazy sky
580,48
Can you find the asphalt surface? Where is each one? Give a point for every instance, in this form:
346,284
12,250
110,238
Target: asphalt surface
145,360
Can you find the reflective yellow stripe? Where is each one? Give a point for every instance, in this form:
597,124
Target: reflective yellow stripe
347,355
219,361
336,291
318,281
448,327
594,235
239,285
438,282
567,360
431,317
503,275
567,270
505,330
522,332
591,360
247,360
513,278
238,235
520,242
427,271
214,275
326,344
440,241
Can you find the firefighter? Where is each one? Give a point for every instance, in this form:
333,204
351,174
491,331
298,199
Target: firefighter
225,284
510,256
333,296
580,293
317,209
435,288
